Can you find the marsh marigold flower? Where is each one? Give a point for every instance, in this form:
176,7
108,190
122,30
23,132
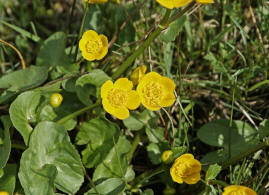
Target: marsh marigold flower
156,91
138,74
170,4
167,156
93,46
117,98
95,1
186,169
238,190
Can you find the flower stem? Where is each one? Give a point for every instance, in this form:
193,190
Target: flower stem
134,145
142,47
81,29
77,113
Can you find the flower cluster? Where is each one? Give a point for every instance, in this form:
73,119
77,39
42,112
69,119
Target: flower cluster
153,91
238,190
180,3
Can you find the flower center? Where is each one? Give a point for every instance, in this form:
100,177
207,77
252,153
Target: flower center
117,97
152,93
93,46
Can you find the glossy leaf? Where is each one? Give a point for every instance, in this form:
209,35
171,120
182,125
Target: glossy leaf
23,113
112,186
8,180
16,81
213,171
5,147
51,160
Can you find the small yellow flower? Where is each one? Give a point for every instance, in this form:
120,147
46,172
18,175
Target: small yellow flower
117,98
170,4
186,169
167,156
238,190
138,74
4,193
93,46
156,91
95,1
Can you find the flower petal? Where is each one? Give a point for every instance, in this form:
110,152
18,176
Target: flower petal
168,83
90,34
124,83
107,106
88,56
102,53
192,179
181,3
133,100
106,87
167,100
184,158
104,40
121,113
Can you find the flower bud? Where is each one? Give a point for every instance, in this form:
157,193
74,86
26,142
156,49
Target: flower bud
167,157
56,100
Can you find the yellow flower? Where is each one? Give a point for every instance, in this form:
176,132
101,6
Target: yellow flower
138,74
56,100
117,98
156,91
238,190
95,1
170,4
4,193
186,169
93,46
205,1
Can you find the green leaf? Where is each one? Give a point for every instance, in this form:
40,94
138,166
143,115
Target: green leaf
5,148
23,112
155,135
52,54
175,27
51,160
213,172
90,84
216,133
19,80
178,151
8,181
264,129
98,134
136,121
115,164
112,186
148,192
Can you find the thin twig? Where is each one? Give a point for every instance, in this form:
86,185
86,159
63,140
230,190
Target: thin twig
17,51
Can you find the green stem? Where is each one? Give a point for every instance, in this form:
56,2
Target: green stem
134,145
250,151
219,182
142,47
81,29
77,113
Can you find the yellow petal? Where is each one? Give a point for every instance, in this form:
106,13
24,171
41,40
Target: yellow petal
102,53
124,83
107,106
167,100
166,3
192,179
184,158
168,83
106,87
133,100
121,113
104,40
181,3
88,56
205,1
174,176
90,34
